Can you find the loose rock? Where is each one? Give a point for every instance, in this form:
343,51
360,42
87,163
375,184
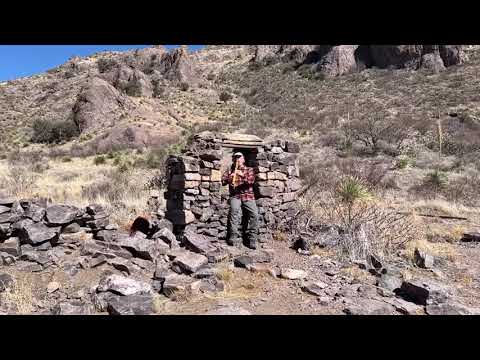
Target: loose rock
293,274
123,285
130,305
191,262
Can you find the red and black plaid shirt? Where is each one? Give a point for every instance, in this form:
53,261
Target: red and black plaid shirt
244,188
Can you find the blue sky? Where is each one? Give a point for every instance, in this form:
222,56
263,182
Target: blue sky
25,60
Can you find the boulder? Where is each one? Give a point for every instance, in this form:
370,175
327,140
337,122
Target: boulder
130,305
389,282
72,229
337,60
61,214
9,217
165,235
11,246
197,242
98,105
423,292
452,54
190,262
471,236
38,233
4,209
35,212
433,62
369,307
6,201
242,261
122,285
72,309
139,246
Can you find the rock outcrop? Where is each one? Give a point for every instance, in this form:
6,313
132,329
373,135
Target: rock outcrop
335,60
99,105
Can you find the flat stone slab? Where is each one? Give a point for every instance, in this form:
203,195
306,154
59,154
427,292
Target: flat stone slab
123,285
190,262
293,274
228,310
130,305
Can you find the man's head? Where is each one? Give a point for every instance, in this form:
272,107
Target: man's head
238,156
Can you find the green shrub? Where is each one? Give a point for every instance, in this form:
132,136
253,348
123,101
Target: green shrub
403,162
53,132
99,160
184,86
66,159
436,180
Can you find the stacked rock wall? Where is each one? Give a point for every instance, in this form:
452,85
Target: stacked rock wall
196,199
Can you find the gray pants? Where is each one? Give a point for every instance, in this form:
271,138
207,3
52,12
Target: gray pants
235,221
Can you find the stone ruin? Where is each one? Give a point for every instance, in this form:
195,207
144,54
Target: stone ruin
198,203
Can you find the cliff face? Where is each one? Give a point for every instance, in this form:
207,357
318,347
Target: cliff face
335,60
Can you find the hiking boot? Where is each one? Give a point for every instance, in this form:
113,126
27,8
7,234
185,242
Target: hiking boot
236,243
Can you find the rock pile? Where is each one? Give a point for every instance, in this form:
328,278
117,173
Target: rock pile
31,229
36,236
196,200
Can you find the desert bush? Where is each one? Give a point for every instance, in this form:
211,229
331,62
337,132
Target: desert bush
436,180
377,131
184,86
225,96
19,181
464,190
53,131
403,162
99,160
363,226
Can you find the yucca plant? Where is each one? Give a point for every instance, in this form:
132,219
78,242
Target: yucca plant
350,191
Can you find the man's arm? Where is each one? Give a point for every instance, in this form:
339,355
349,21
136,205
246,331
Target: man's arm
226,178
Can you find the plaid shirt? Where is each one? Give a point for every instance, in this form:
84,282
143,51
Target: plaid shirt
244,188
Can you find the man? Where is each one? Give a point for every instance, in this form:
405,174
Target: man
240,179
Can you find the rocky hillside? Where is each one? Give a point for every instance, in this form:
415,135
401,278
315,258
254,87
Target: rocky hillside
149,96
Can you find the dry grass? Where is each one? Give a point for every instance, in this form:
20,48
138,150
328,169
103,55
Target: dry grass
21,295
280,236
440,250
445,232
71,183
357,274
439,207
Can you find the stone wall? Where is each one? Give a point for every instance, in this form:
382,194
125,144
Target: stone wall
196,199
